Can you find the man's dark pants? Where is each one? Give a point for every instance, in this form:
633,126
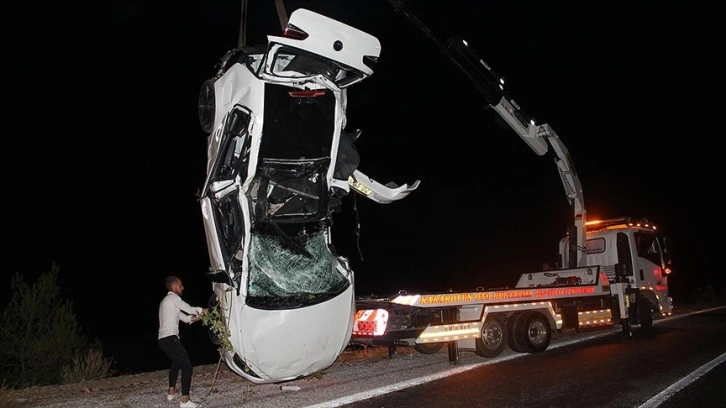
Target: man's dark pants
172,347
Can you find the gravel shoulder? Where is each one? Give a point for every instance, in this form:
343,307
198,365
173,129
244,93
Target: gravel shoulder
217,386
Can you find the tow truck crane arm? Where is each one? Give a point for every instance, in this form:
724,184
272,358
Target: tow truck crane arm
541,138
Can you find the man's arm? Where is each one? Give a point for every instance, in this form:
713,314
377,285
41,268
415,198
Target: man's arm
189,310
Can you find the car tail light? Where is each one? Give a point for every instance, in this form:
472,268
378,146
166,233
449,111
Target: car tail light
306,94
293,32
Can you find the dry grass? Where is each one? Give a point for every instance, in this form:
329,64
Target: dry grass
90,365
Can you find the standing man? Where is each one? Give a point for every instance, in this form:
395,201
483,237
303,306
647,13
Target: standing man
172,310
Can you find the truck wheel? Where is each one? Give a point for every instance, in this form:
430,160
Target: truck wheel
645,314
515,334
535,333
493,338
428,348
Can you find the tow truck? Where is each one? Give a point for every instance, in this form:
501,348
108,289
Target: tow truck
612,271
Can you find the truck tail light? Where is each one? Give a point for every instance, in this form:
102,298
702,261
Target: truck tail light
370,322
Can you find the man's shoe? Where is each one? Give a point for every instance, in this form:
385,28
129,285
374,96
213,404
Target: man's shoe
188,404
170,397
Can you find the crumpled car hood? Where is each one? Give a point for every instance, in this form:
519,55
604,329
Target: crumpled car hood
265,339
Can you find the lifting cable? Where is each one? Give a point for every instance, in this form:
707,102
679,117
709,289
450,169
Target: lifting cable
242,39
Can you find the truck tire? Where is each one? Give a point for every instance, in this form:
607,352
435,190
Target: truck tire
514,326
645,313
428,348
493,338
535,333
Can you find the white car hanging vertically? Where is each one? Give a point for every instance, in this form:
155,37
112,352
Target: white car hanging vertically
279,163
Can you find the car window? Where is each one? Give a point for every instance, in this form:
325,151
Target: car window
290,62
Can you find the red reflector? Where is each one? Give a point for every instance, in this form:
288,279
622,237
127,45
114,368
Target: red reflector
306,94
367,326
293,32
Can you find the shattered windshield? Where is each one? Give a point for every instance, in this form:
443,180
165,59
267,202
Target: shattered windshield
292,271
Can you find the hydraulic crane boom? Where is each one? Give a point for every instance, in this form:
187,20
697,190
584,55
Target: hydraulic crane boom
539,137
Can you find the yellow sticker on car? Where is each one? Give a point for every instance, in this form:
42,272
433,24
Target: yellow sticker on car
360,187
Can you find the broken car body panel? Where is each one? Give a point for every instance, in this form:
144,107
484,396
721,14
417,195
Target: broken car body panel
279,162
377,191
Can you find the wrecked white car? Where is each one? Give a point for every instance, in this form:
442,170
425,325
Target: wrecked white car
279,163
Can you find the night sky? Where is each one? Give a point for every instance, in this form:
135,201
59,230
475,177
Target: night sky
107,157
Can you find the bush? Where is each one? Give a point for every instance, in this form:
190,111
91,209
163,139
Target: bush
40,338
87,366
215,322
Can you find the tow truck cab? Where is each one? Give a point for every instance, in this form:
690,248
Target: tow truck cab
634,252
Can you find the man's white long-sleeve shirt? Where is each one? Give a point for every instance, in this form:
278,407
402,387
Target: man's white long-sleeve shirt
172,310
